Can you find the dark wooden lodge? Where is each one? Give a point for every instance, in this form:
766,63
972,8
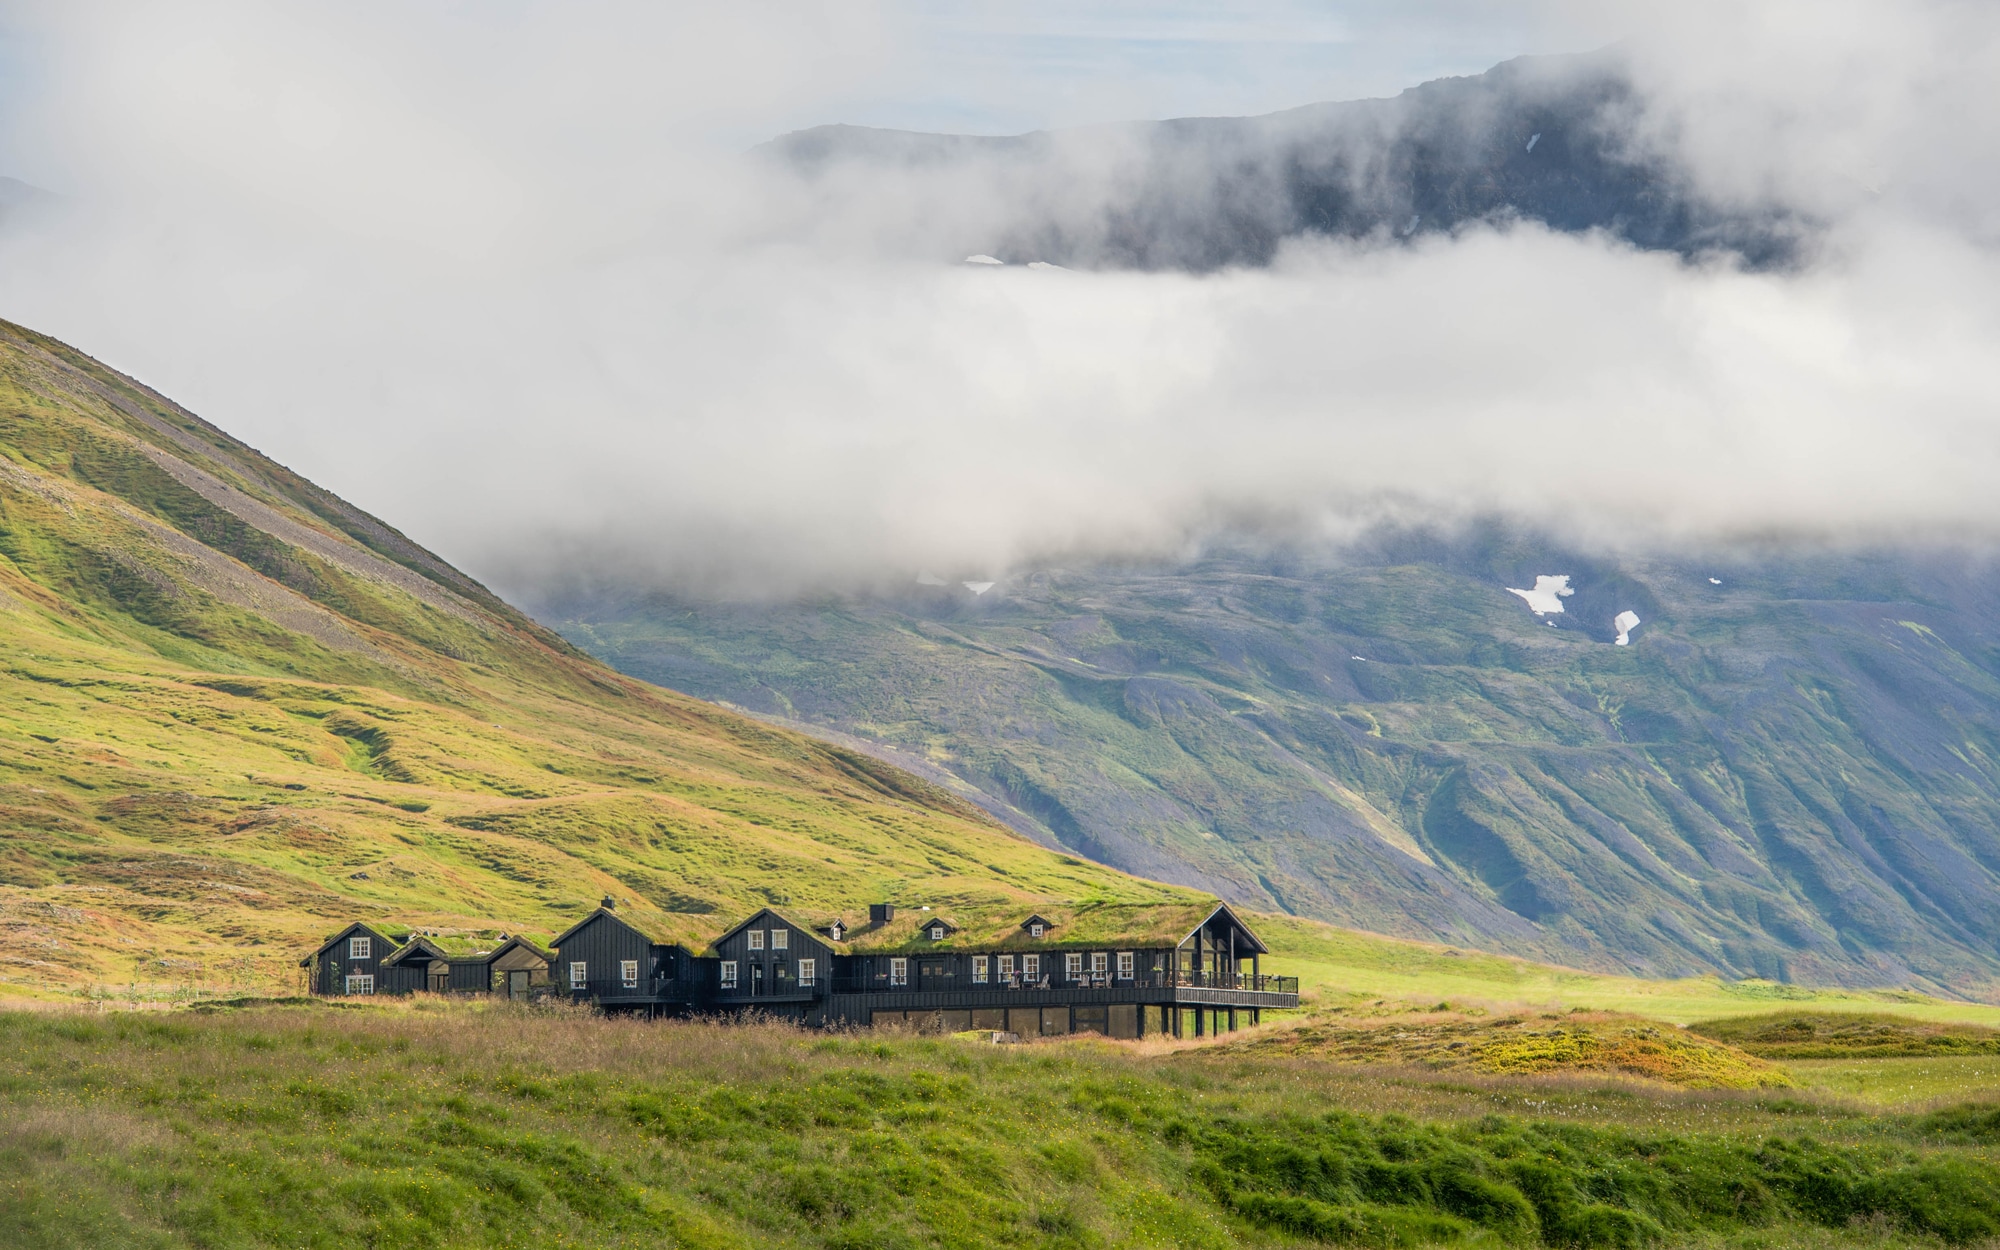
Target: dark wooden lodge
1121,970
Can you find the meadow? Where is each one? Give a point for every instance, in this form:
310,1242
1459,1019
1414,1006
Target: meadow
449,1123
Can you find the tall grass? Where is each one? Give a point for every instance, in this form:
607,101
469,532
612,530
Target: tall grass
424,1124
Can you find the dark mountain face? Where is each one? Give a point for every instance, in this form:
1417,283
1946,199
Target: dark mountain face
1791,771
1557,140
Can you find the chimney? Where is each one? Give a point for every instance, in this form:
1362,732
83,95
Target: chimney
881,913
609,903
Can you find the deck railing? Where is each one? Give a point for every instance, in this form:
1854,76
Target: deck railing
1147,980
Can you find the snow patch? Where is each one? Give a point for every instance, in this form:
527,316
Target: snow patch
981,258
1042,264
1625,622
1715,581
1547,596
977,588
1533,139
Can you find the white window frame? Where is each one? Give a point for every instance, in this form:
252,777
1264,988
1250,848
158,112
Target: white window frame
1073,966
937,933
1006,966
1035,931
808,972
1031,966
1100,963
728,974
1125,965
360,983
899,972
756,939
781,939
360,948
979,969
579,974
628,973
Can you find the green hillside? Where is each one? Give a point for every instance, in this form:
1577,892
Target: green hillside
1792,772
236,713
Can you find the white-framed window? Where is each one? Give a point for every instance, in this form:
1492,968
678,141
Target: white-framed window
1031,967
628,973
1099,963
579,974
1073,967
360,947
899,972
1035,930
781,939
728,974
808,972
361,985
756,939
1006,965
979,969
1124,965
937,933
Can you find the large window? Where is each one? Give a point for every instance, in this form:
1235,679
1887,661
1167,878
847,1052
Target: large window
579,974
1073,967
979,969
1031,967
361,985
628,973
899,972
360,947
781,939
1099,963
1124,965
808,972
756,939
728,974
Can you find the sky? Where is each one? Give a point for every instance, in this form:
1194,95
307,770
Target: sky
502,274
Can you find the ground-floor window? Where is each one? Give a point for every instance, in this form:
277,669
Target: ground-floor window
728,974
628,973
899,972
808,971
1031,967
1125,965
1098,963
361,985
1073,967
578,974
979,969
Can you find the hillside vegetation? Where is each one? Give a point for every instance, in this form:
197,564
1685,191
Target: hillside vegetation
236,712
1792,772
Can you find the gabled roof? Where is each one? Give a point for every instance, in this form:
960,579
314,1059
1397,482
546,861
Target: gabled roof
997,925
388,942
1256,946
818,934
517,941
417,946
1038,919
644,926
933,923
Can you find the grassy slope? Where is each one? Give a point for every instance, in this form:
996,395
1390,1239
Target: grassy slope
1791,775
235,713
426,1124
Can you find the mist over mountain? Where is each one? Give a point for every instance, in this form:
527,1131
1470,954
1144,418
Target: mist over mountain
1561,141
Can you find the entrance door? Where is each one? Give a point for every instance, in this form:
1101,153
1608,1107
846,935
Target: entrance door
931,975
517,984
756,979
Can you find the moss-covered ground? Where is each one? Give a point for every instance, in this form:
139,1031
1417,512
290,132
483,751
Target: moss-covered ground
428,1123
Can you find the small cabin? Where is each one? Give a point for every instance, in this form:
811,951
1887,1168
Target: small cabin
421,965
772,962
351,962
612,960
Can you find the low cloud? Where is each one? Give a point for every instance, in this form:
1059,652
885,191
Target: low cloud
538,316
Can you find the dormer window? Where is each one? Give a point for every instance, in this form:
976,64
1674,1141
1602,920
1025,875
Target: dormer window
937,933
1036,930
838,932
